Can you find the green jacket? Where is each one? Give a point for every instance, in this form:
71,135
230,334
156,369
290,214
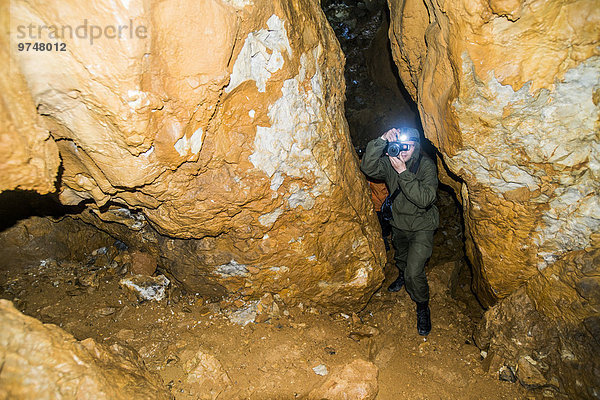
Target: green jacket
413,208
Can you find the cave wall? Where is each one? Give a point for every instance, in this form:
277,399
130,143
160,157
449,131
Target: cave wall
509,92
510,97
28,155
221,122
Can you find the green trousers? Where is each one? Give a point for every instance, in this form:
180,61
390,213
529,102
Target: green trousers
412,251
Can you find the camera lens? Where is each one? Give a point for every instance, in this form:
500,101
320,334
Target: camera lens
393,149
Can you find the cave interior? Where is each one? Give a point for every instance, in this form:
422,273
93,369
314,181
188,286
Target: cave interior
210,234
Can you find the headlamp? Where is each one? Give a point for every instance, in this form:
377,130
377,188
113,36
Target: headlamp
408,135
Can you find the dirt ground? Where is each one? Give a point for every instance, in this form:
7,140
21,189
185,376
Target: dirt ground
272,359
200,353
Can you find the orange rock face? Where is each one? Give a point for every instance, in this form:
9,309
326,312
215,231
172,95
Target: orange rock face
28,155
509,93
219,121
43,361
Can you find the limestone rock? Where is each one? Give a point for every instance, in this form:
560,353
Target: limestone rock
245,314
320,370
512,105
147,287
528,374
267,308
509,93
517,334
220,122
506,374
205,374
35,239
355,381
28,155
41,361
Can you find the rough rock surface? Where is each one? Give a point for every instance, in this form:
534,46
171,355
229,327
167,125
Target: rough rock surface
521,334
28,155
205,374
511,100
37,238
221,122
355,381
509,92
142,263
44,362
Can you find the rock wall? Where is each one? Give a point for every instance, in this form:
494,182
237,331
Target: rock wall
374,101
41,361
219,123
28,155
509,92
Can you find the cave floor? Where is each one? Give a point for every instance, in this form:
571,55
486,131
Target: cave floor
272,359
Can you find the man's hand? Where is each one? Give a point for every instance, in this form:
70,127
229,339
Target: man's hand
398,164
391,135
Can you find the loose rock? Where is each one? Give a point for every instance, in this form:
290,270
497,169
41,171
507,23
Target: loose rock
506,374
205,374
529,375
320,369
355,381
146,287
142,263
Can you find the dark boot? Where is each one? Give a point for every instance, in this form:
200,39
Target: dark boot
423,319
397,284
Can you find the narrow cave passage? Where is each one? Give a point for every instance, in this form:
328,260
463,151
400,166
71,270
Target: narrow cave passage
183,214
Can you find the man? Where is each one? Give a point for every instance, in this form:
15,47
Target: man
414,214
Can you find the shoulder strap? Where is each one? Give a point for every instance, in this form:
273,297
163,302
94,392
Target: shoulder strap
395,194
415,167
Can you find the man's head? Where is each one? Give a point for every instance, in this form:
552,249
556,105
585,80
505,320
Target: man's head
409,136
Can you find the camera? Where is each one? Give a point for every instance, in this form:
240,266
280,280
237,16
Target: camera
394,148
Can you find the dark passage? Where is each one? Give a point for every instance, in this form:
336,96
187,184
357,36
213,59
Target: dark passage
375,97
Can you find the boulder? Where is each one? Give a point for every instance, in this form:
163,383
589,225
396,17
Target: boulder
218,126
41,361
